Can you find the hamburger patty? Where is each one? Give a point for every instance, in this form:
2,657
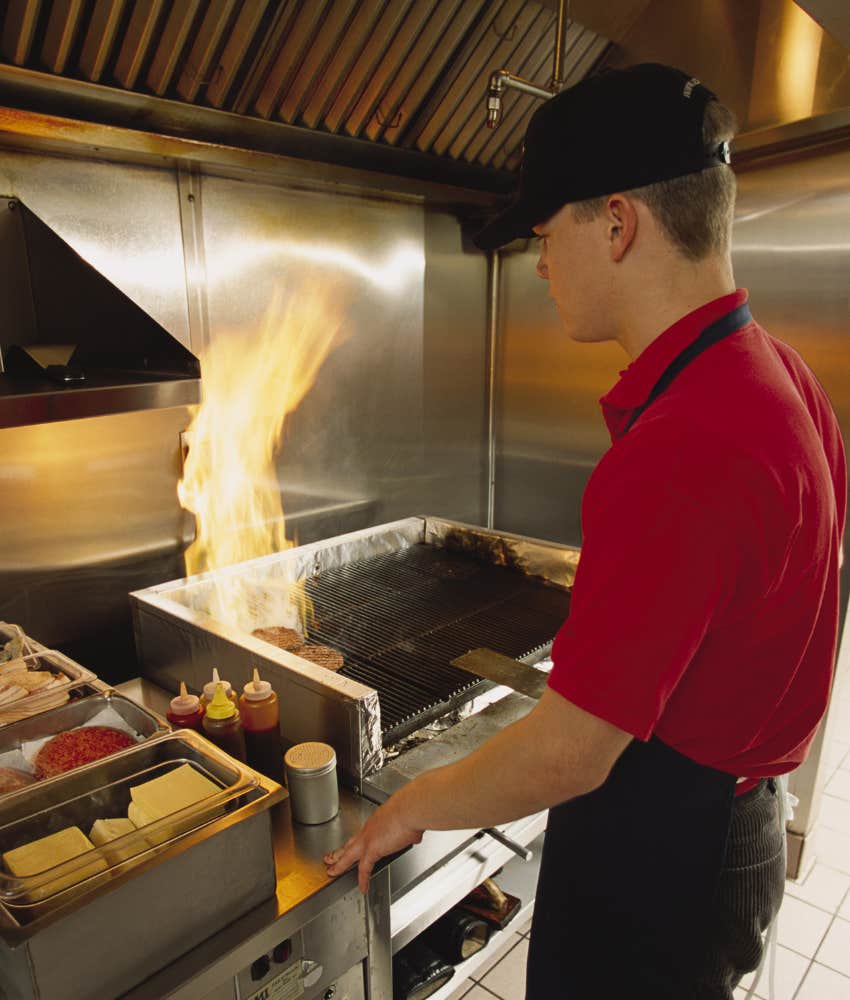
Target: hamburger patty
278,635
324,656
65,751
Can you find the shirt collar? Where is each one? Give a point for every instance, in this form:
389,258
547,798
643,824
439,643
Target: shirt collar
637,381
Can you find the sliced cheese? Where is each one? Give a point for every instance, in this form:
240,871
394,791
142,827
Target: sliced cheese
167,794
178,789
48,852
105,831
137,816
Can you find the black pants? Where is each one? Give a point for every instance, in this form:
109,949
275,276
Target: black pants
657,886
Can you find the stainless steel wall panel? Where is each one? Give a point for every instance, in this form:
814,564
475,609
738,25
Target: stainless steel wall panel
791,249
89,511
85,492
358,435
123,220
549,431
454,484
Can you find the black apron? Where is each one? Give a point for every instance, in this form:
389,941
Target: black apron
630,872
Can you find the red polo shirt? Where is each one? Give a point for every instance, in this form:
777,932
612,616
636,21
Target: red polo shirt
705,606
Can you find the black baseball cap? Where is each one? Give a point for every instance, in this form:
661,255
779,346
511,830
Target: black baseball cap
613,132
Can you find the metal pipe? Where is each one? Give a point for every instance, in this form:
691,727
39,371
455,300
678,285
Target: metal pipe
503,79
560,35
494,279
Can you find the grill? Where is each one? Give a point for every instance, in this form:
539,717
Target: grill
399,619
400,601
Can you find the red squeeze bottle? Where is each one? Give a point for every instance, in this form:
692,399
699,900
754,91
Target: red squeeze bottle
186,711
258,707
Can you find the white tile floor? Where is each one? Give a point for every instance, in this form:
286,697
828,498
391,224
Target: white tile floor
813,957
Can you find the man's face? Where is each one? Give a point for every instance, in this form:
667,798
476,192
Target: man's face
573,261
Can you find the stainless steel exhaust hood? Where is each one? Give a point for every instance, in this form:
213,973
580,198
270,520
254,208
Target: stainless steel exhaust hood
396,88
391,86
71,343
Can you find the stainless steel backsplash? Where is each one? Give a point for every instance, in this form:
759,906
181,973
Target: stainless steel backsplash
394,425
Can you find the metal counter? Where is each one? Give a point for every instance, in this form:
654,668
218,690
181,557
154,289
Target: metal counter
330,928
318,914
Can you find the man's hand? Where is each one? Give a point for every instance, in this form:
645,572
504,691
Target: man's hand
385,832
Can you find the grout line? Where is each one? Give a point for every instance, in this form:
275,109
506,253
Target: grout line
808,969
825,935
822,909
802,978
824,822
502,957
486,990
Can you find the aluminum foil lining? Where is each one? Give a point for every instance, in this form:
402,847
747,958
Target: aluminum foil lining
548,560
371,750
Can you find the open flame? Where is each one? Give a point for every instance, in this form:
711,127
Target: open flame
252,381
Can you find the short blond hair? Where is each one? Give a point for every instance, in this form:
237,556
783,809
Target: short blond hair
696,210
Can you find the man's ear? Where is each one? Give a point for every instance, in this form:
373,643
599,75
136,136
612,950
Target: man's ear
622,220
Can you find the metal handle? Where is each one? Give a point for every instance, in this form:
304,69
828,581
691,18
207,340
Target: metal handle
512,845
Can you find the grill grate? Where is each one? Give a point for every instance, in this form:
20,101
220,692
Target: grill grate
400,618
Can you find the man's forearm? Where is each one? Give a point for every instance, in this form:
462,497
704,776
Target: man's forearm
511,776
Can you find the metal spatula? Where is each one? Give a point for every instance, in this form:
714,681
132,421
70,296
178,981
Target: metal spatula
501,669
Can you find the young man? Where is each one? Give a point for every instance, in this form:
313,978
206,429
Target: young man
696,662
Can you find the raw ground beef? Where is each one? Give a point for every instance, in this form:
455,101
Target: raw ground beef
77,747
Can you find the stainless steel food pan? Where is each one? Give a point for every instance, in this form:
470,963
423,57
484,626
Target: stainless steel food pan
79,680
150,911
142,721
103,792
